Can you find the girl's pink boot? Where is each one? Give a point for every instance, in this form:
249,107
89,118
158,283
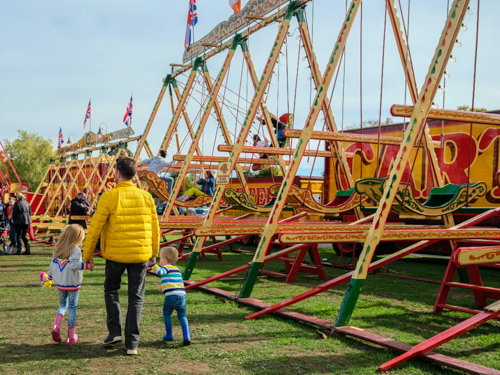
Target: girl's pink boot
72,336
56,330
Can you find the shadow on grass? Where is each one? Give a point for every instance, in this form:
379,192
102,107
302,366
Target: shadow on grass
23,265
36,285
304,364
177,343
30,308
19,353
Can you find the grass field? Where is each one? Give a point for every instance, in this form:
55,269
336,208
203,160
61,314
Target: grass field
223,342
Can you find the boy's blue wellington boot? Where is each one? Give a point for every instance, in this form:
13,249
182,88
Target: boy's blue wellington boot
168,336
187,336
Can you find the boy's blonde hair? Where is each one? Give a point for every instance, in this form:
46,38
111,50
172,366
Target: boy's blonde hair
170,253
72,235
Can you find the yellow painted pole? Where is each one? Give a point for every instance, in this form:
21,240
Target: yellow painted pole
245,129
416,123
270,228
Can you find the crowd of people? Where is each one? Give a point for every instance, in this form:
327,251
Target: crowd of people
15,219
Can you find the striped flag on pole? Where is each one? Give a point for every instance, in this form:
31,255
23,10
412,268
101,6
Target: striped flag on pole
87,116
191,21
60,140
127,119
235,4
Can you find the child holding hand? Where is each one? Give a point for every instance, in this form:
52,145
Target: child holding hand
66,272
172,287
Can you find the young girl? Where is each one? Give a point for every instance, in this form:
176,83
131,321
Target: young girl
172,287
66,272
207,187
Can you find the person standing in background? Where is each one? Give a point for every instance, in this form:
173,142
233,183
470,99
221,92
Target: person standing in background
21,215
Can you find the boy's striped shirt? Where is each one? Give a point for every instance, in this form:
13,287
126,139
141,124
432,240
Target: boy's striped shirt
171,280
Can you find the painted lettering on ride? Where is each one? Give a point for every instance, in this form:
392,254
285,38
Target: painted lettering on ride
459,151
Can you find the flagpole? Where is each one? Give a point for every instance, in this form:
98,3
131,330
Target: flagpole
130,125
90,118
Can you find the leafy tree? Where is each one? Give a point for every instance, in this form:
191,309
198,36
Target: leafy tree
30,154
265,171
466,107
189,180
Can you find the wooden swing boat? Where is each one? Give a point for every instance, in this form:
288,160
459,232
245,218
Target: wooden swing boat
242,201
302,199
442,200
159,187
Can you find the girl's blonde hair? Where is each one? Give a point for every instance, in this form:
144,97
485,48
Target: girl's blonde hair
20,196
71,236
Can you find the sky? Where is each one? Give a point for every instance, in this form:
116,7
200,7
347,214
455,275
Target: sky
56,55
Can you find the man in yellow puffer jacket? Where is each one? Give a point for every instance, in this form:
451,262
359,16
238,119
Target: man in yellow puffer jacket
127,223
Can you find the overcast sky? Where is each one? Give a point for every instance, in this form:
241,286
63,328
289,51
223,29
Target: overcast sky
56,55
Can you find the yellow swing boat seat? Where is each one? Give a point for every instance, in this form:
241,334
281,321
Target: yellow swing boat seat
159,187
441,201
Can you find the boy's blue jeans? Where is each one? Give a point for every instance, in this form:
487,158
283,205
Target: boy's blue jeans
177,303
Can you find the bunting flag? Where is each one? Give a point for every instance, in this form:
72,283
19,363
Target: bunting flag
235,4
60,140
127,119
191,21
87,116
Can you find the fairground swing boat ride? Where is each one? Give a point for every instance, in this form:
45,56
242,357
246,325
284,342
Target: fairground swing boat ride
432,178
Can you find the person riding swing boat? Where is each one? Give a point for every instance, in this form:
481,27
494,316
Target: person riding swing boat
207,187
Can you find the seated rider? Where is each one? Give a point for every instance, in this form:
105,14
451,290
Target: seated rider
207,187
261,143
280,124
156,165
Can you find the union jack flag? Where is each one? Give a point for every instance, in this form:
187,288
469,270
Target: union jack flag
87,116
60,140
127,119
191,21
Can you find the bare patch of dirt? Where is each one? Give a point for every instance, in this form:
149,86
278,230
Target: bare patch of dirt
184,366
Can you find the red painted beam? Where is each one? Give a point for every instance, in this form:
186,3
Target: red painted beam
217,277
441,338
268,258
337,281
168,243
436,358
375,265
214,246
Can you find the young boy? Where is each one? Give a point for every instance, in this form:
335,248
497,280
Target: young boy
172,287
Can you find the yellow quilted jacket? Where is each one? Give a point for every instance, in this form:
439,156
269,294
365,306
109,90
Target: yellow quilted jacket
127,223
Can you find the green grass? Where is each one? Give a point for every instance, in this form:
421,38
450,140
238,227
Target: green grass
223,341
